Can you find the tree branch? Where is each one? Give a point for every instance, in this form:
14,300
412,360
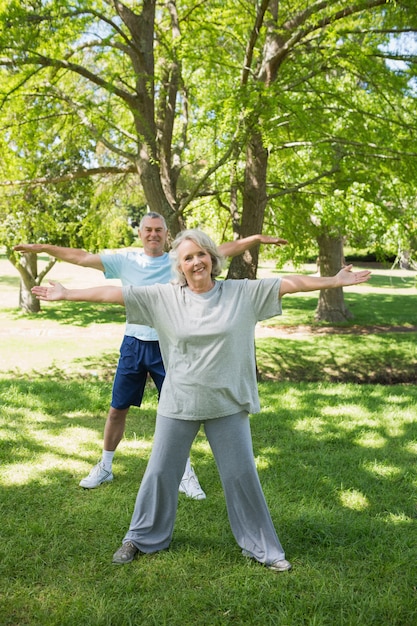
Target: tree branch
77,175
253,37
78,109
43,61
278,46
297,187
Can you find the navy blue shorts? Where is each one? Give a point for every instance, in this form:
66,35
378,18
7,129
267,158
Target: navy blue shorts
137,360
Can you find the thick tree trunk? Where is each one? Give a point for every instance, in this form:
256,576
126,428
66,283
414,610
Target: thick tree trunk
154,130
150,178
28,269
331,306
253,207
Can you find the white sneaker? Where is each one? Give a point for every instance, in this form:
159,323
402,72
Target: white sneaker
280,566
277,566
191,487
96,477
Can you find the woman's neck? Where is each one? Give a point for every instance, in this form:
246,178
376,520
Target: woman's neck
201,288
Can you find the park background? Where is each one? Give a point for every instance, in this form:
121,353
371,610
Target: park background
286,117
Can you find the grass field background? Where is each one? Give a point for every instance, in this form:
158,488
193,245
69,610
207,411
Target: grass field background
335,445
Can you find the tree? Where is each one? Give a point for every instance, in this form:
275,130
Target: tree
355,123
243,116
75,213
97,61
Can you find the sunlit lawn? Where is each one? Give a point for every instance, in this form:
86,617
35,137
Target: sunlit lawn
338,467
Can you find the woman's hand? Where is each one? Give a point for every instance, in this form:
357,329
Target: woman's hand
55,292
295,283
346,277
110,294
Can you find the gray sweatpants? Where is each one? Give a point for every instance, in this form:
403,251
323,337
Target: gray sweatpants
153,518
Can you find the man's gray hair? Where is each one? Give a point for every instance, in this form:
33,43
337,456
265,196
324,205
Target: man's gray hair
153,215
203,241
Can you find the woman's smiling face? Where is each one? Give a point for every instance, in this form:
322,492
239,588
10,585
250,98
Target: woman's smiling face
196,265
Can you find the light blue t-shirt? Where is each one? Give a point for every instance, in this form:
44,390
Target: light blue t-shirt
140,270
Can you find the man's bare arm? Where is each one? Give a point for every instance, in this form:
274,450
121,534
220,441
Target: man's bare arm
234,248
70,255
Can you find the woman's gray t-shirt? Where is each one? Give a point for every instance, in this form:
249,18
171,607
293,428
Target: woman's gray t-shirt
207,343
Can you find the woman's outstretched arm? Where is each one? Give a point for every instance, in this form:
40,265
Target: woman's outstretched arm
344,278
56,291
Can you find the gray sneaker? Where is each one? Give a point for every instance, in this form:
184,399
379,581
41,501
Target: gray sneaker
96,477
125,554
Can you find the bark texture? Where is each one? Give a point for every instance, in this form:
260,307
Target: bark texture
331,306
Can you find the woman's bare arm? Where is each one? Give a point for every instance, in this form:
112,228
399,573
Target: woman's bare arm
56,291
344,278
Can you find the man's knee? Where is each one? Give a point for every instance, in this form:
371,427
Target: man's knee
117,415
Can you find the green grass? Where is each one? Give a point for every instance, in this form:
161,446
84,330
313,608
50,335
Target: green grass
368,308
385,358
337,461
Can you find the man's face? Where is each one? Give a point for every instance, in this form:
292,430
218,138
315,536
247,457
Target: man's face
153,235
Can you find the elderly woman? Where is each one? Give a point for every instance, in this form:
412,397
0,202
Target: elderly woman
206,332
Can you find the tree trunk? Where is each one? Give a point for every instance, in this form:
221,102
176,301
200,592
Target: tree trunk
28,269
331,306
253,207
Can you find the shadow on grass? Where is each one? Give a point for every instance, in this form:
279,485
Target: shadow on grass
367,308
356,445
86,368
386,359
64,404
10,281
75,313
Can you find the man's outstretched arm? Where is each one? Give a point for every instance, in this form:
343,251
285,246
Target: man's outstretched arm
234,248
70,255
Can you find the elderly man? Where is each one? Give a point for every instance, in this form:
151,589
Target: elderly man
139,353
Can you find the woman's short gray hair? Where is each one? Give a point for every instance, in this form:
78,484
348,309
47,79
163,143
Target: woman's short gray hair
203,241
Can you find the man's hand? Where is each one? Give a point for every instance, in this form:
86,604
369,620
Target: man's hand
28,247
268,239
